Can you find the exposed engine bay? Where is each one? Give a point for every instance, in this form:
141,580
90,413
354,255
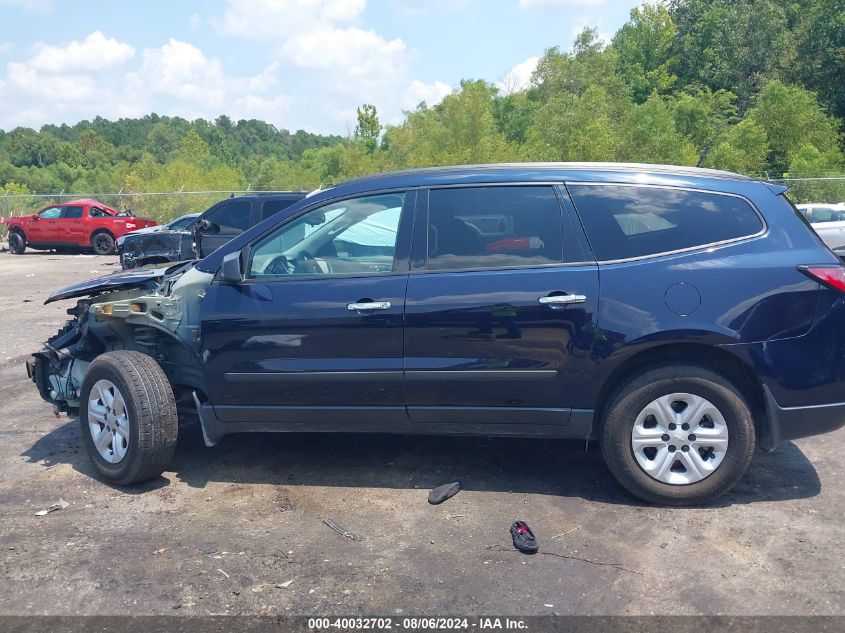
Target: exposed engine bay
155,312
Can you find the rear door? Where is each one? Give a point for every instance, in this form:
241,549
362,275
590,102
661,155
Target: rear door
500,307
70,225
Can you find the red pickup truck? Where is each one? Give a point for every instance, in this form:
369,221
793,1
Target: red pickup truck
80,224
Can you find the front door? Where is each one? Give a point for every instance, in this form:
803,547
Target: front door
314,333
500,308
44,230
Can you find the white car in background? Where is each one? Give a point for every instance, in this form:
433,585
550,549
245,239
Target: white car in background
828,220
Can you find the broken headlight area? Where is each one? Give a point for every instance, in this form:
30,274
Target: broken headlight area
152,312
59,368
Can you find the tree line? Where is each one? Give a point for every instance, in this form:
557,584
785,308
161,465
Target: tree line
752,86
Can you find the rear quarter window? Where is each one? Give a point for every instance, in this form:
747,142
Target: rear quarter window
624,222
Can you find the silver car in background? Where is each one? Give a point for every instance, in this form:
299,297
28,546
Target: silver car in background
828,220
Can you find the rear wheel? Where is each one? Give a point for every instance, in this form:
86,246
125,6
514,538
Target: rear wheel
128,417
17,243
678,435
102,243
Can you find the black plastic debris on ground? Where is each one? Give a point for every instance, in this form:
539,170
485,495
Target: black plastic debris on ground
441,493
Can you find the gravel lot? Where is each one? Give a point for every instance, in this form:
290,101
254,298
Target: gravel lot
227,527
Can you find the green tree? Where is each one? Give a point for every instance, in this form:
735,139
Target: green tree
742,148
793,119
703,115
649,135
645,51
369,127
734,45
192,146
820,61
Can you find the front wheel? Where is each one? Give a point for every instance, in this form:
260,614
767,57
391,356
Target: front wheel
678,435
17,243
128,417
103,244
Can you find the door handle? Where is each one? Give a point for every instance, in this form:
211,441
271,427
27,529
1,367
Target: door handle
556,300
368,306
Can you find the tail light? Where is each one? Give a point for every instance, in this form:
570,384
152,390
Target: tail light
832,276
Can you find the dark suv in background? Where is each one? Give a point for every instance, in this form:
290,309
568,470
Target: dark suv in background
679,316
213,228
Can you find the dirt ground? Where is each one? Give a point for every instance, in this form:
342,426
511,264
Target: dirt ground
226,528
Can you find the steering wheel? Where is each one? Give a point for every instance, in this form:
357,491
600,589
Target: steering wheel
305,264
280,265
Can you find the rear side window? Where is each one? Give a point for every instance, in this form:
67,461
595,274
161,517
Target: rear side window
272,207
493,227
625,222
231,217
72,212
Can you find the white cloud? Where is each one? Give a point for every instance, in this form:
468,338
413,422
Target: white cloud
518,78
263,81
177,78
179,70
5,47
350,64
357,57
419,91
95,52
250,106
30,6
281,18
24,79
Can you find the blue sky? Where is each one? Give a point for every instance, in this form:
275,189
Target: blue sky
294,63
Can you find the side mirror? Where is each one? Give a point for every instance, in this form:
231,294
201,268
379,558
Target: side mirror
34,216
206,226
230,270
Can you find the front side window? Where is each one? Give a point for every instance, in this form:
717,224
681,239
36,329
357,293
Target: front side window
625,222
50,213
493,227
351,237
72,213
230,217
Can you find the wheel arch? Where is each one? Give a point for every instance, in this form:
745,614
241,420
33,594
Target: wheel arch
99,230
716,359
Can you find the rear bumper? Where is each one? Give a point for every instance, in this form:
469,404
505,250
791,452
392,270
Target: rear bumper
792,423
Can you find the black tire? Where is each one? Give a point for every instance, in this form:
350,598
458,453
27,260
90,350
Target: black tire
103,243
639,391
150,408
17,243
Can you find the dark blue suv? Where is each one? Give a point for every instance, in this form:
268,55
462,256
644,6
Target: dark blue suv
679,316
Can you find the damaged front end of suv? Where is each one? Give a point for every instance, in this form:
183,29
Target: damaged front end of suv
154,312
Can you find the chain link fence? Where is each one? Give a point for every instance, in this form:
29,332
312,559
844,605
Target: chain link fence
164,207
